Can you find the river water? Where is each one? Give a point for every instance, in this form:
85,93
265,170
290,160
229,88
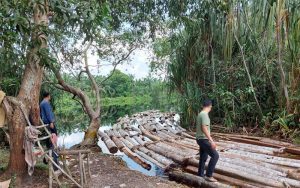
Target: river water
69,140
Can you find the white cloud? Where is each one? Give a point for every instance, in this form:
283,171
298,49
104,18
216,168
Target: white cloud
138,65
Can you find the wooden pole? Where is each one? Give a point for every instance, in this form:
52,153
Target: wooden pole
50,171
80,169
88,165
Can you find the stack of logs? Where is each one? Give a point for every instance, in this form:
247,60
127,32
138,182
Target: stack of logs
244,161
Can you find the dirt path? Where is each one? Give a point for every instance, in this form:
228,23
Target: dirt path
107,172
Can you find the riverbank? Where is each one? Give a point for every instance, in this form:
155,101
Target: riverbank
108,171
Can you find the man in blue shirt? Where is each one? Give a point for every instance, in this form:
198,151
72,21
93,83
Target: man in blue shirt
47,116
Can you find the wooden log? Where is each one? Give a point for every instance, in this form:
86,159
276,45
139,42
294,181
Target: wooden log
109,133
123,133
136,129
169,128
116,133
165,161
194,180
148,158
118,142
260,163
108,142
174,136
139,140
162,135
252,167
148,134
150,126
173,149
291,150
249,147
137,159
102,135
183,149
159,127
262,139
132,133
193,143
187,135
188,145
270,159
228,171
134,143
257,169
175,157
294,174
127,143
268,174
229,180
179,128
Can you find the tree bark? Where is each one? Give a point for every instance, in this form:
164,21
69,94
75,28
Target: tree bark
28,95
90,137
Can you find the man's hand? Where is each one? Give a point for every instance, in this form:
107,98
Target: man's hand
51,125
213,145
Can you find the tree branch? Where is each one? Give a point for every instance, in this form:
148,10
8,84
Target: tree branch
92,79
117,63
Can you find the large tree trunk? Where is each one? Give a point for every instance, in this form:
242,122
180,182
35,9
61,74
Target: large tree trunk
90,137
28,96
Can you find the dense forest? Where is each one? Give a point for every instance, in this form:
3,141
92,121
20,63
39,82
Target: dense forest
243,54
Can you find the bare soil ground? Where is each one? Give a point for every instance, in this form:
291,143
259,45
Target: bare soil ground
107,172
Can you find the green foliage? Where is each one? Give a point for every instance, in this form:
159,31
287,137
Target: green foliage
206,62
120,95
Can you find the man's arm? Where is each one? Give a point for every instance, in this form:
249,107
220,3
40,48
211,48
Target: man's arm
207,134
49,116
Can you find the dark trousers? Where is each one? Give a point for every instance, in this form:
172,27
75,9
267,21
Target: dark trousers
205,150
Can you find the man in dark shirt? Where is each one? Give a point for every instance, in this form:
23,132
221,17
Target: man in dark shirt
47,116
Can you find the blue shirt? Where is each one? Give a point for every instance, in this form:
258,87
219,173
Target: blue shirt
46,112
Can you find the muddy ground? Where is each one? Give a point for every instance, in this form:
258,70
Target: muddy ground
107,172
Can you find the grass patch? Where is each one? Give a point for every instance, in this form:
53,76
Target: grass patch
4,158
296,140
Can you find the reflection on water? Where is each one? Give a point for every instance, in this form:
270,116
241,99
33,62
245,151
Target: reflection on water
69,140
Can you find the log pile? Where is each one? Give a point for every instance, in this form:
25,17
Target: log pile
244,161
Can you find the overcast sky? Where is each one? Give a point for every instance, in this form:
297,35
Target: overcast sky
138,66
